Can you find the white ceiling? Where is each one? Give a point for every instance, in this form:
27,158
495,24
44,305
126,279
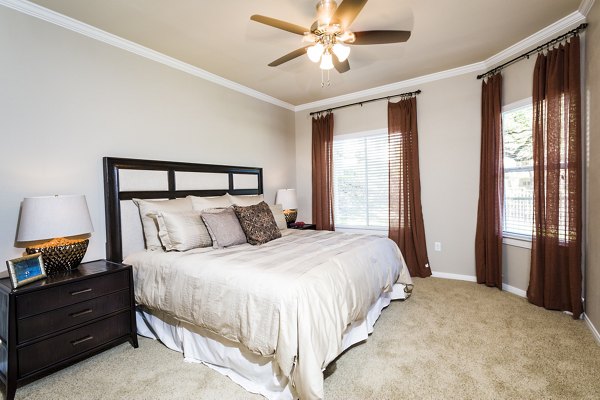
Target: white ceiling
219,37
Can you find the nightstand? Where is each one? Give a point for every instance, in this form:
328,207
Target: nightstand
55,322
304,227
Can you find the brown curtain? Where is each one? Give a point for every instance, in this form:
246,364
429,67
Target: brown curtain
406,215
555,278
488,237
322,172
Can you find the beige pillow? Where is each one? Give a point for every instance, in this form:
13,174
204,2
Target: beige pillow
246,200
182,231
279,216
202,203
150,225
224,228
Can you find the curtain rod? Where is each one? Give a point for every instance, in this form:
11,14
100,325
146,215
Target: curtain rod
408,94
536,50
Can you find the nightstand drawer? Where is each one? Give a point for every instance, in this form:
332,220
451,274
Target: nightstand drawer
59,348
65,317
64,295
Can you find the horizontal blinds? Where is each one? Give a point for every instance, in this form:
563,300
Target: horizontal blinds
360,181
518,170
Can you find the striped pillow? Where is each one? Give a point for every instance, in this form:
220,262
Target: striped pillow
182,231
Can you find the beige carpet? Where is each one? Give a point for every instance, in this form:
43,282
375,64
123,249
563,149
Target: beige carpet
451,340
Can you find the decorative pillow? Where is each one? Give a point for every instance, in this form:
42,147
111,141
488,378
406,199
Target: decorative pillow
182,231
224,228
246,200
279,216
150,225
258,223
202,203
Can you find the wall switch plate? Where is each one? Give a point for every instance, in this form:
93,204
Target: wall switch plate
438,246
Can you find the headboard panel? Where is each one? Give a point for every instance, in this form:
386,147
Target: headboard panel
247,180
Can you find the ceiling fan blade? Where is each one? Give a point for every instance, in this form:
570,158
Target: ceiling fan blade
347,12
277,23
341,66
380,37
289,56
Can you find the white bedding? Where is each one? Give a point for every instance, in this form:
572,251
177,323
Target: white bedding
292,298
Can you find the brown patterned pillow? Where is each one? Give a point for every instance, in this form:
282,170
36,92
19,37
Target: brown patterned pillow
258,223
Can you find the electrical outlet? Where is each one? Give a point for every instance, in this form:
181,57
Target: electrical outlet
438,246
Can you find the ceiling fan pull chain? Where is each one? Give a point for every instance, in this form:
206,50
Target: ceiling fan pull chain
323,83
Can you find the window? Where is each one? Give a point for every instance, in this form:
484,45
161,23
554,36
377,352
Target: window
360,181
518,169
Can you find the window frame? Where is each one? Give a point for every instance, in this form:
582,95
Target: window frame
509,238
356,228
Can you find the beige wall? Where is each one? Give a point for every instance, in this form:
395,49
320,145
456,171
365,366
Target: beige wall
68,100
592,128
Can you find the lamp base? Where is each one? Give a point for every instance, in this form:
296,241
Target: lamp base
61,257
290,215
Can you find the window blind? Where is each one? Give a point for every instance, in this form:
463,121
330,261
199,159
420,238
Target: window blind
361,181
518,170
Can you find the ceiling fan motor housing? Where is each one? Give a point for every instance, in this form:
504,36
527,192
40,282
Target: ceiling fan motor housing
325,11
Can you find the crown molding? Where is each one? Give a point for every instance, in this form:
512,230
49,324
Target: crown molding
569,22
74,25
392,86
585,7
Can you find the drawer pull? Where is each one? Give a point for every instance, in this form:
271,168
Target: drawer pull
81,291
80,313
82,340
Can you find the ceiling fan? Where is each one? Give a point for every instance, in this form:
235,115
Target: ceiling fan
329,34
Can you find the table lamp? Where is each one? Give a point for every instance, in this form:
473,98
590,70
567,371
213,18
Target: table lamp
289,203
51,220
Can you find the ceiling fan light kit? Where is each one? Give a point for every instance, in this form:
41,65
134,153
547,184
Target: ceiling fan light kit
341,52
314,52
329,34
326,61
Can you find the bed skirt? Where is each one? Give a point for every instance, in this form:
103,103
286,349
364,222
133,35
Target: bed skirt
255,373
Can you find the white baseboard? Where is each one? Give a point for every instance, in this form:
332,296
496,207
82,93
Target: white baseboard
514,290
471,278
456,277
592,328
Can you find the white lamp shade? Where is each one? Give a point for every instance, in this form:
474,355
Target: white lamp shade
326,61
287,199
341,52
314,52
52,217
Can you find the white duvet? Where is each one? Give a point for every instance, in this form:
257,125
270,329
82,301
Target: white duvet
291,298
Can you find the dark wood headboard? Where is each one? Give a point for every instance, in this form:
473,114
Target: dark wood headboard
113,195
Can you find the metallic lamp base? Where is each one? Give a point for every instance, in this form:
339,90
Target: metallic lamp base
61,258
290,215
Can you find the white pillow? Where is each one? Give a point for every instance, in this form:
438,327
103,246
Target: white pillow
182,231
202,203
279,216
153,207
246,200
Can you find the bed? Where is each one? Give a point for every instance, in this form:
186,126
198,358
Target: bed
271,317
